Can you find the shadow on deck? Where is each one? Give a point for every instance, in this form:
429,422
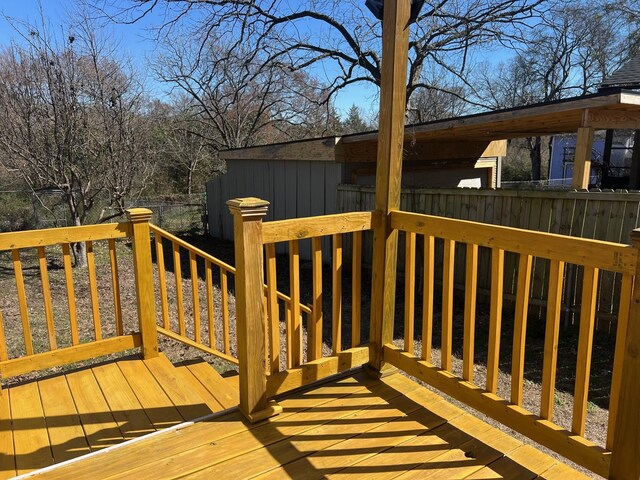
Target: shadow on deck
355,427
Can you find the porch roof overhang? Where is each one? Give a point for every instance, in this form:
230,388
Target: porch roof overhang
471,136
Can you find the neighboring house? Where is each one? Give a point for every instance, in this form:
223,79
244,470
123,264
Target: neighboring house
606,172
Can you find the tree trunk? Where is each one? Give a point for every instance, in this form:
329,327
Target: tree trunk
535,154
79,250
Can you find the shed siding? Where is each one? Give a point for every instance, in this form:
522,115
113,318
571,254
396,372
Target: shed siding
295,189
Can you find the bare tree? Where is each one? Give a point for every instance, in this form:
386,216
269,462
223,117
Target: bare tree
240,99
341,36
71,120
570,52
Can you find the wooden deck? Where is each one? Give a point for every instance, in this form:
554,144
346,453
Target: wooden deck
66,416
355,427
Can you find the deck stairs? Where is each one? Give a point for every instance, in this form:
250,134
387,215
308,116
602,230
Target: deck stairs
66,416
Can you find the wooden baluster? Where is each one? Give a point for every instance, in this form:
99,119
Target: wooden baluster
427,297
495,318
224,299
71,296
409,290
356,289
520,327
193,270
470,292
625,461
552,332
447,303
247,216
46,296
336,310
3,343
272,308
265,325
143,270
162,280
208,269
115,286
288,333
314,329
296,322
626,291
177,270
585,346
93,288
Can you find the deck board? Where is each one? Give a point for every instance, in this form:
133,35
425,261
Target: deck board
30,439
100,428
224,393
64,427
7,458
189,403
155,402
125,407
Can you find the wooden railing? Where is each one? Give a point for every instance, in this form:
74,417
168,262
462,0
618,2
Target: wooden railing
56,330
264,370
182,319
299,369
592,256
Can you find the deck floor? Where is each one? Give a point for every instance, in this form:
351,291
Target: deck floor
69,415
355,427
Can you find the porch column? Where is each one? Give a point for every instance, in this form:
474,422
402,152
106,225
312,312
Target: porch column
582,161
143,269
247,235
393,90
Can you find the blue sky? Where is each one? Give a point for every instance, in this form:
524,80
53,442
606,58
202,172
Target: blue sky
136,43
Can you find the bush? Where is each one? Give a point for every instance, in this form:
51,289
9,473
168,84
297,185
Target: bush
16,212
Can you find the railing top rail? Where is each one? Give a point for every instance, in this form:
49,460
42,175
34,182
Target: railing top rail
187,246
610,256
55,236
309,227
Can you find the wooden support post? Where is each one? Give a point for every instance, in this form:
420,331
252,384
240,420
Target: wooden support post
393,89
247,232
582,161
625,461
143,268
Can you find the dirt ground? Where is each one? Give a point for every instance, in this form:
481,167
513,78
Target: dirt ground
567,354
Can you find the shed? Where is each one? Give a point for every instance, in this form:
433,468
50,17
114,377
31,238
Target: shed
300,178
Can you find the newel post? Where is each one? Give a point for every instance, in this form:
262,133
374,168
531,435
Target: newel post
625,460
247,233
143,268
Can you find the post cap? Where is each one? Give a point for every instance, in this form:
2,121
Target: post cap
139,214
247,202
248,206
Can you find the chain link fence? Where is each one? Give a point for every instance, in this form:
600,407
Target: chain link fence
25,210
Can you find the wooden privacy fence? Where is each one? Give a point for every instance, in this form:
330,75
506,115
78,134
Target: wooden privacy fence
609,216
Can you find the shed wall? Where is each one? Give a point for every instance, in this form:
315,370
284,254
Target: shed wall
294,189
